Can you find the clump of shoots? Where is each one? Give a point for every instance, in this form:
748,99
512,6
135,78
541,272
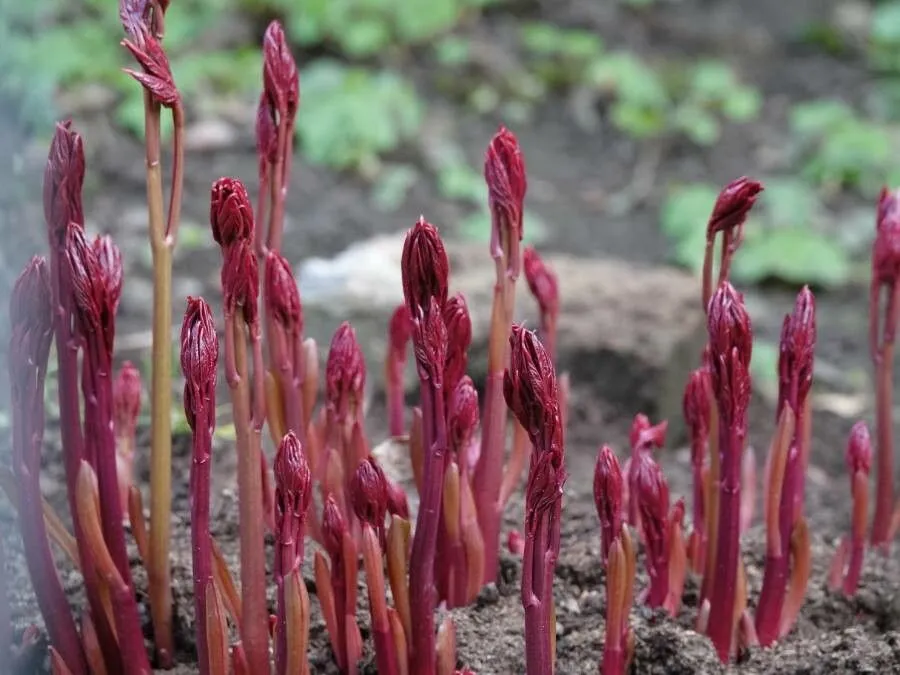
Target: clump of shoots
618,554
730,344
531,392
31,322
504,172
368,493
126,409
336,587
231,219
399,333
696,407
293,494
848,560
882,333
787,470
199,362
728,218
145,32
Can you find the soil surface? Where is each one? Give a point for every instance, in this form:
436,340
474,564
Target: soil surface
600,193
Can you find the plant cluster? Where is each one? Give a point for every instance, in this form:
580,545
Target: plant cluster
326,486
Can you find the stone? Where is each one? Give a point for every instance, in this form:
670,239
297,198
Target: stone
629,333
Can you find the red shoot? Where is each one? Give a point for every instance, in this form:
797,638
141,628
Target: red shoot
285,339
155,74
531,392
644,437
848,562
608,489
425,268
230,213
31,324
199,361
885,274
293,494
654,504
787,470
504,173
731,344
728,217
126,409
459,337
345,376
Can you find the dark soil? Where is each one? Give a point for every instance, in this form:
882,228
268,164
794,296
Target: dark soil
579,181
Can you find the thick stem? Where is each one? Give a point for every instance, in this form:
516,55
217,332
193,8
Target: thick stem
423,593
712,502
722,598
394,370
278,191
857,531
200,537
160,392
538,658
884,494
255,616
488,472
27,441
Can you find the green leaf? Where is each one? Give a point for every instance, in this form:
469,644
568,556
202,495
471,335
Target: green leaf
453,50
789,203
477,228
819,117
389,193
698,124
795,255
764,368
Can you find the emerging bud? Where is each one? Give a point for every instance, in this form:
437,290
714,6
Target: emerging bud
530,389
732,206
463,418
430,345
504,173
157,74
109,261
345,372
280,80
230,212
31,319
695,403
282,296
240,281
63,181
645,436
293,482
542,282
796,352
425,268
859,450
94,305
653,501
400,331
199,358
459,337
886,247
546,480
127,399
397,503
334,527
731,345
369,494
608,489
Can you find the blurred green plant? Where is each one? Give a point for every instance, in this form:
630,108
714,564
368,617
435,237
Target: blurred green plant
692,100
783,239
363,28
884,37
838,149
352,115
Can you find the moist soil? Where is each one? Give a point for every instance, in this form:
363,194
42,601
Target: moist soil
600,192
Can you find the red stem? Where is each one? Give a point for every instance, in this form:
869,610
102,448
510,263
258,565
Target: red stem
28,433
421,579
721,615
539,563
489,471
857,531
200,536
884,496
396,401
